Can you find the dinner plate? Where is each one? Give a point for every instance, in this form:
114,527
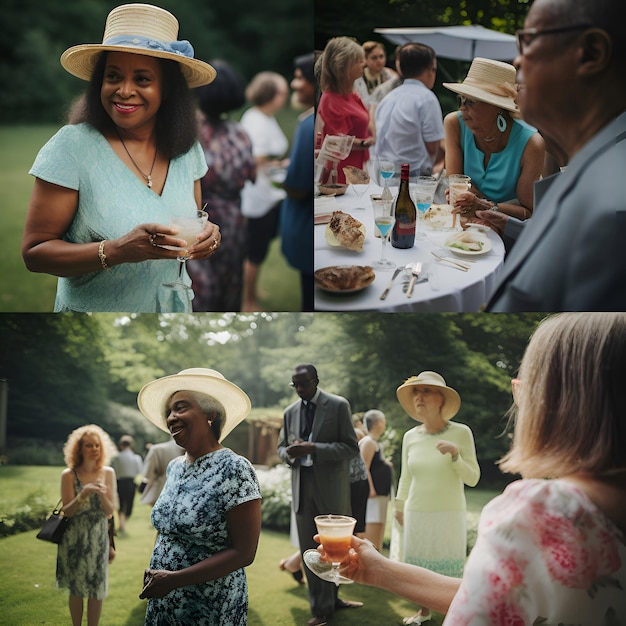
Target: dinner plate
364,269
486,246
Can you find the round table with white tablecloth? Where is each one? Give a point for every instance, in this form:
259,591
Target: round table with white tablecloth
446,287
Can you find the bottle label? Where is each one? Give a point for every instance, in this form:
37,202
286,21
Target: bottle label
404,226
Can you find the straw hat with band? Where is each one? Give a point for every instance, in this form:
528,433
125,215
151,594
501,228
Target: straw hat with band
153,397
140,29
489,81
452,400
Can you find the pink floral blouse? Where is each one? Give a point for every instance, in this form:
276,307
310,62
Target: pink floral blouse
544,555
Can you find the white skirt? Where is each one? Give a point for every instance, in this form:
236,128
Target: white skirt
376,512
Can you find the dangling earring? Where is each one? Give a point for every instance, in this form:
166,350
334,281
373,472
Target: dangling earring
501,122
210,423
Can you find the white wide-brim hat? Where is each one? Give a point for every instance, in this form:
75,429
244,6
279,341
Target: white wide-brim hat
489,81
140,29
153,397
452,400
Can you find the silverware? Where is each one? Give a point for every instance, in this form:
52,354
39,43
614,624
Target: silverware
456,264
383,295
416,270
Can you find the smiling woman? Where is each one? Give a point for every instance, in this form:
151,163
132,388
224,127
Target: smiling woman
208,516
130,151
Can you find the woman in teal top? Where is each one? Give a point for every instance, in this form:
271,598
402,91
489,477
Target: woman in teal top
501,154
107,184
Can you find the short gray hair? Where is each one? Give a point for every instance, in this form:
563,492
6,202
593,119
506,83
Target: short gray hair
210,405
372,417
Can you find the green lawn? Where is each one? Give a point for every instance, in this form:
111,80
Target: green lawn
21,290
27,571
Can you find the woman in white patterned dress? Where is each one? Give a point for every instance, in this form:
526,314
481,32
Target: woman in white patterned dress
208,516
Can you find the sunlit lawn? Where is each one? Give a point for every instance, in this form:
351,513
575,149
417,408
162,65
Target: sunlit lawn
21,290
27,571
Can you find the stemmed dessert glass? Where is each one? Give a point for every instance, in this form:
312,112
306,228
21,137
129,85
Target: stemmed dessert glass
189,227
383,219
335,533
387,170
423,193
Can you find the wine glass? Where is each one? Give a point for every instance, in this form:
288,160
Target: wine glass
335,533
189,227
360,189
458,183
423,193
387,170
383,219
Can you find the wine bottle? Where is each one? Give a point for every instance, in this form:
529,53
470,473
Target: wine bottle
403,233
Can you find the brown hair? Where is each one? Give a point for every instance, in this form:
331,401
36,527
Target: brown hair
73,448
339,54
571,402
370,46
264,87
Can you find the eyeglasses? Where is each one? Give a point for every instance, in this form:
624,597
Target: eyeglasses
526,36
302,383
463,101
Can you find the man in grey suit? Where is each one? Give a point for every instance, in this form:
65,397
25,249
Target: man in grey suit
571,255
317,441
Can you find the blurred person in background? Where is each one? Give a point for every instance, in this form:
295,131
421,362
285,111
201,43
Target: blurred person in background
88,495
296,216
261,199
127,465
218,281
154,469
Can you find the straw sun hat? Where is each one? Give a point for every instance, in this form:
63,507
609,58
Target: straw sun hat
140,29
452,400
153,397
489,81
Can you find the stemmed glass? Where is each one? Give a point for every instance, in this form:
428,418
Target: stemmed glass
458,183
189,227
387,170
359,190
423,192
335,533
383,219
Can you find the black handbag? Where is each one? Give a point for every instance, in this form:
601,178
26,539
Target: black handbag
55,526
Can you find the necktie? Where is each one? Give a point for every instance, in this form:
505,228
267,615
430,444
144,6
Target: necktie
309,416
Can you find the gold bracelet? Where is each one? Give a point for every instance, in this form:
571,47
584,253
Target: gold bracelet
102,256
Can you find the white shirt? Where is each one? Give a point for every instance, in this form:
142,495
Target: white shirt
406,118
267,140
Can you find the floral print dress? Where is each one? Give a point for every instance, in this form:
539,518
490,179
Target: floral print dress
545,555
83,554
190,516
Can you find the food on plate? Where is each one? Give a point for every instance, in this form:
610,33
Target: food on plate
438,216
344,230
467,241
330,189
344,277
355,176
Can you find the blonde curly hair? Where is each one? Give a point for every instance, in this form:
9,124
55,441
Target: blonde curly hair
73,448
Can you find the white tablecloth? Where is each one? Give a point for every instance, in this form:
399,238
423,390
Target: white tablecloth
449,289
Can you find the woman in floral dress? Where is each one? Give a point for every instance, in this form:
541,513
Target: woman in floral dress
88,494
552,548
208,516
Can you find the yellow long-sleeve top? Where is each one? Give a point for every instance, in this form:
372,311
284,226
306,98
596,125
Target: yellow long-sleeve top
431,481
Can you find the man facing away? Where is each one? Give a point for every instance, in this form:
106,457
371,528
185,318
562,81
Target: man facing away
127,466
409,120
154,466
317,441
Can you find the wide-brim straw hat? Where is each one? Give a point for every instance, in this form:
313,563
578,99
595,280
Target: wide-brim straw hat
153,397
140,29
452,400
489,81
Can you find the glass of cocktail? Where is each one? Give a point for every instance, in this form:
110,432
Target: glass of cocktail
335,533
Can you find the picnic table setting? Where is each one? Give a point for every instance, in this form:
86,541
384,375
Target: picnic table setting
447,267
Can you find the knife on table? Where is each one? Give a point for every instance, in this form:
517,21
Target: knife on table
383,295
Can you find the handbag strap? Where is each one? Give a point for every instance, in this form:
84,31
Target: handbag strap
56,509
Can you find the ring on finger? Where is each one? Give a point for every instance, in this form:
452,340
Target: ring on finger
152,238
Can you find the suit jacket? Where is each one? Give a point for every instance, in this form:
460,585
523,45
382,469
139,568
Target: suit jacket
155,466
335,444
571,255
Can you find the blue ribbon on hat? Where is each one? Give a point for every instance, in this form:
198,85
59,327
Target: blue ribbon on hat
182,48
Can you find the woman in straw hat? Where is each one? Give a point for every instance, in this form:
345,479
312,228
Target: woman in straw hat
551,548
89,495
107,184
208,516
486,141
438,459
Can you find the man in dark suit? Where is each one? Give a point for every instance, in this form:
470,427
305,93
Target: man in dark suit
317,441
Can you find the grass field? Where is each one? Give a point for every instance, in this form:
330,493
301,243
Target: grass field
27,571
21,290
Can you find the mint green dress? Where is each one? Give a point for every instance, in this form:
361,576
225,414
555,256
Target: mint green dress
111,202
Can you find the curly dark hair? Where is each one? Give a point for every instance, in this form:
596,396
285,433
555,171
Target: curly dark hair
175,121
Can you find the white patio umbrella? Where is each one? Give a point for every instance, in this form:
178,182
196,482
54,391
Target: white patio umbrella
461,43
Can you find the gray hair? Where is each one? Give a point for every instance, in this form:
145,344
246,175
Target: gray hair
210,405
372,417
